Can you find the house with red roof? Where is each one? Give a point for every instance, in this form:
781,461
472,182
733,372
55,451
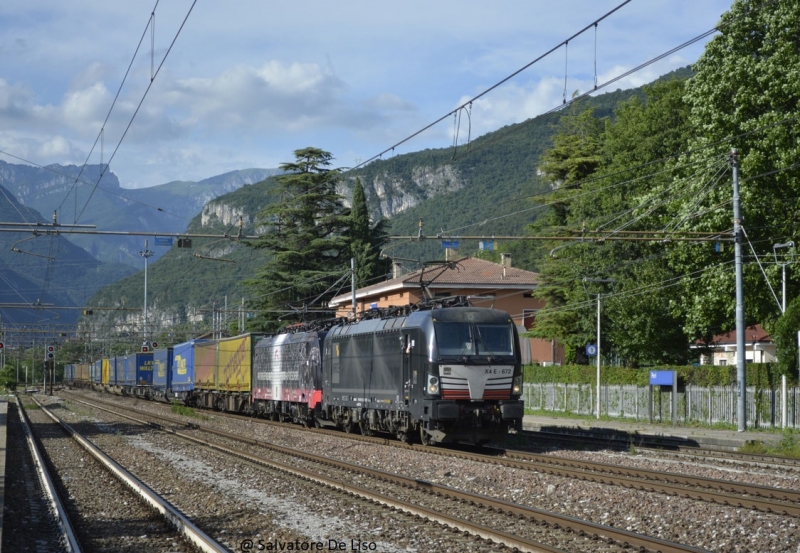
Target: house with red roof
487,284
759,348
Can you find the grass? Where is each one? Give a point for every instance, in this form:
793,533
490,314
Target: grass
180,409
656,421
789,446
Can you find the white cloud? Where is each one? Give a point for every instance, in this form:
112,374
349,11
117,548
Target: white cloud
57,148
84,110
247,83
246,97
13,100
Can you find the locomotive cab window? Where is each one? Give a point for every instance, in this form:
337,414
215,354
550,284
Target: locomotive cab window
454,339
495,339
460,339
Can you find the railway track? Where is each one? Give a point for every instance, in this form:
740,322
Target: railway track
765,499
663,444
105,518
34,514
444,505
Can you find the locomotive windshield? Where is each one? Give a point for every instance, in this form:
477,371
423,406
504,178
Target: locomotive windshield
460,339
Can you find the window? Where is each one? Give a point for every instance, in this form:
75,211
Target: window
529,318
462,339
454,339
495,339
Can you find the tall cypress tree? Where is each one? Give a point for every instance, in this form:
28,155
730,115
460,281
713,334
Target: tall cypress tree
366,241
305,232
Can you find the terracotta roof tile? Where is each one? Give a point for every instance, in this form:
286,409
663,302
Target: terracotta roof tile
753,333
463,272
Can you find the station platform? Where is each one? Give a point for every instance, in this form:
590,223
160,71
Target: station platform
3,435
633,431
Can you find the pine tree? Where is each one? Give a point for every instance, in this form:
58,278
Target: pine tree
305,232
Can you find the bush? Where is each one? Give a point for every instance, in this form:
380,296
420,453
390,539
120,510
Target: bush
760,375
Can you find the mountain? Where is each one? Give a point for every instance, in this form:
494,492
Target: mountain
46,270
82,196
485,188
187,284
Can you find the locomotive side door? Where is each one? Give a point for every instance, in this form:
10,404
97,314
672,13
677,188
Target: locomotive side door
411,348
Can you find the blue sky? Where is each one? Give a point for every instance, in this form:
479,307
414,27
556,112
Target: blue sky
247,82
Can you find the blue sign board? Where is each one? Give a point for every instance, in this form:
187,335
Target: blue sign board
591,350
450,244
163,240
662,378
487,245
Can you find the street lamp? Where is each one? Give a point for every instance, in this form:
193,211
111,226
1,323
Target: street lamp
146,254
601,280
775,248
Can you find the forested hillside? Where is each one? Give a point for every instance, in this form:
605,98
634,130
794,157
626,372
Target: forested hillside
478,188
187,284
486,187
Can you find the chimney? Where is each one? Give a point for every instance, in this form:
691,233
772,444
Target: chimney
397,269
505,260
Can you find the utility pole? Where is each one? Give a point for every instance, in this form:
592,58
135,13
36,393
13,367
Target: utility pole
146,254
741,370
353,284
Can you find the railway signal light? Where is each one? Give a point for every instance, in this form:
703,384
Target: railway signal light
51,352
154,345
1,345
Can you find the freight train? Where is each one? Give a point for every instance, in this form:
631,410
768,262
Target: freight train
440,375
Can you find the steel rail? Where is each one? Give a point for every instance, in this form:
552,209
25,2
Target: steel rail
185,526
723,492
555,520
60,513
780,500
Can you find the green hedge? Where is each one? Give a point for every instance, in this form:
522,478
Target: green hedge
761,375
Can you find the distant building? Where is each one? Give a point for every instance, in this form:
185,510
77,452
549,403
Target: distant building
759,348
500,286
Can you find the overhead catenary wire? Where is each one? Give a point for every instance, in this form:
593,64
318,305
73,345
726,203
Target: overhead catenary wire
494,86
110,110
136,111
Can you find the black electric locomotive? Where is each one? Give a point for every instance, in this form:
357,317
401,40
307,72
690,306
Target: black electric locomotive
447,375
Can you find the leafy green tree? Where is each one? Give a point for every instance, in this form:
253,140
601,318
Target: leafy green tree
783,332
575,156
745,95
366,240
617,183
304,231
8,377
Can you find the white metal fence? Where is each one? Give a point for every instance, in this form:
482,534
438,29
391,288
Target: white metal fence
712,405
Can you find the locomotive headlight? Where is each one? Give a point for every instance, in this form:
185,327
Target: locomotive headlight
433,384
517,387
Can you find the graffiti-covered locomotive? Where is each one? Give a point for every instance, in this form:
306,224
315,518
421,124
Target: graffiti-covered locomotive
442,375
